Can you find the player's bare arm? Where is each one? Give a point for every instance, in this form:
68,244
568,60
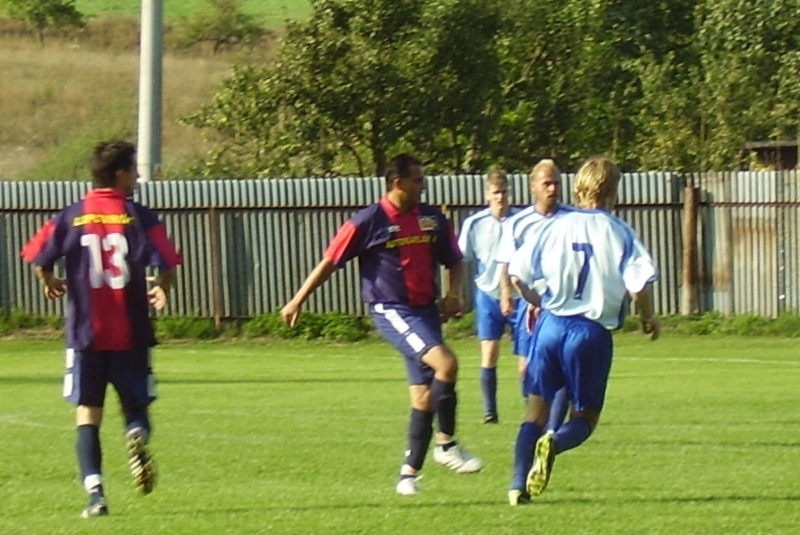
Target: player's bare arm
506,300
534,302
527,293
54,287
646,311
290,313
162,284
452,304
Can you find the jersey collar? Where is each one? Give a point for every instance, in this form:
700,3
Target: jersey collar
392,211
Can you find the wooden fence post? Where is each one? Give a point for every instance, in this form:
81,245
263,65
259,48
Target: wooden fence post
216,266
689,286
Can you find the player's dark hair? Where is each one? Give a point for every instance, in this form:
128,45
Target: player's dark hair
400,167
109,157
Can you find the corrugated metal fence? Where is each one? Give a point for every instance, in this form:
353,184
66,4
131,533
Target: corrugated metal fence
249,244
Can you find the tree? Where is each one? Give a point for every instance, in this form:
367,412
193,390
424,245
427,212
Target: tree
460,102
44,15
358,79
225,25
750,75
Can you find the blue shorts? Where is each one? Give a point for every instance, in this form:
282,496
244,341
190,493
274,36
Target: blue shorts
88,373
570,351
413,331
522,338
489,321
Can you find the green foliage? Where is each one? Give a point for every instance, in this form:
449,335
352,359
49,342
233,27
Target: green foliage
713,323
749,74
340,327
225,26
462,327
471,84
355,82
270,325
43,15
330,326
17,320
174,327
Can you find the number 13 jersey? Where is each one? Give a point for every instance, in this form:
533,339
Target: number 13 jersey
107,242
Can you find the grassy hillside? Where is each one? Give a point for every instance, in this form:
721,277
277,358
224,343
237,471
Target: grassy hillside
272,12
60,99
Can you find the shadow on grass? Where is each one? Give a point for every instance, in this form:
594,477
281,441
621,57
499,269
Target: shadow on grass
22,380
406,503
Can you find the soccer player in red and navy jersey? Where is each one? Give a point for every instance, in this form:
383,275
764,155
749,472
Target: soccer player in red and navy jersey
399,242
107,241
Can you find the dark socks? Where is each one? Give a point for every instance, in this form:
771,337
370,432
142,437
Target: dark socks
527,436
90,456
572,434
444,405
489,389
137,418
420,431
558,409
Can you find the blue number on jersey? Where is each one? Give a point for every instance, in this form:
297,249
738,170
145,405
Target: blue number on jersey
585,248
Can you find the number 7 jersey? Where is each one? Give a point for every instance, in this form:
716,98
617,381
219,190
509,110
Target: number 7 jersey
107,242
585,262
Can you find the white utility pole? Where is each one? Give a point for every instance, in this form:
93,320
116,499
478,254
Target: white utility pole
150,62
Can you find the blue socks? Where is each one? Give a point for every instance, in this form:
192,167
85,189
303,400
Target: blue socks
527,436
572,434
489,389
558,409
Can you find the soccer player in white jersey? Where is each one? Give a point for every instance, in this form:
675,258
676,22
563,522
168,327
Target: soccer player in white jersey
579,270
478,240
545,184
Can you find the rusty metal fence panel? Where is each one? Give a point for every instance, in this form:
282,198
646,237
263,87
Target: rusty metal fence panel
249,244
749,241
789,246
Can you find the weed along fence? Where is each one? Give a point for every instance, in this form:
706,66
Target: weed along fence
726,242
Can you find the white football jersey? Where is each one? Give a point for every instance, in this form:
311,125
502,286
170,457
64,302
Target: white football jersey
518,229
585,263
479,240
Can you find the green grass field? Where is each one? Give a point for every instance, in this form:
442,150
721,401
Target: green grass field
272,12
700,435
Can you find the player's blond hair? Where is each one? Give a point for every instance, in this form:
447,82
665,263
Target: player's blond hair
497,177
596,183
546,164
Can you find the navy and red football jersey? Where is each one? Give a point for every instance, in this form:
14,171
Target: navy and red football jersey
107,242
398,252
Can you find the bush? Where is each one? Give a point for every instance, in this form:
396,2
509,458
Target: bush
269,325
170,327
787,324
462,327
344,328
330,325
17,320
340,327
702,324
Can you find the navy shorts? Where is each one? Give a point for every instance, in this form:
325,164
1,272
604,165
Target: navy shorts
570,351
130,372
413,331
489,321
